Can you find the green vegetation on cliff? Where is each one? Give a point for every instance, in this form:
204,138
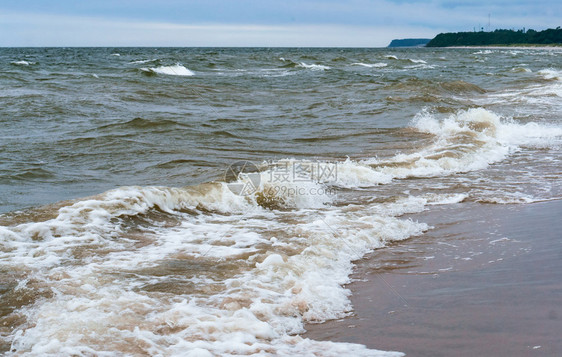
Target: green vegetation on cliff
409,42
498,37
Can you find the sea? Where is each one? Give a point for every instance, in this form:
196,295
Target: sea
214,201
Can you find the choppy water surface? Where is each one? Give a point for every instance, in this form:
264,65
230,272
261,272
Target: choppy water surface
119,233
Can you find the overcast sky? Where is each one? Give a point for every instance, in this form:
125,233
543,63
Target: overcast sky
351,23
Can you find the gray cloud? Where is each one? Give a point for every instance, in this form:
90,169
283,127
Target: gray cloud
258,23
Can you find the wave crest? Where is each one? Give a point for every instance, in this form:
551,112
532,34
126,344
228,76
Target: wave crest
176,70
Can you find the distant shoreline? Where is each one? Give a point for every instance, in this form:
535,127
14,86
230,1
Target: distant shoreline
499,37
515,47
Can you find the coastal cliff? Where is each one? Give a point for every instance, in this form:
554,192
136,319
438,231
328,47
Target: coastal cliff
498,37
409,42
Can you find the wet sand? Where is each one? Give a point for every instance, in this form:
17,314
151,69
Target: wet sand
485,281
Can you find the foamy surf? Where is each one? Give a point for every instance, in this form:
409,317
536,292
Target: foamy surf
466,141
143,61
176,70
282,268
279,274
314,67
550,73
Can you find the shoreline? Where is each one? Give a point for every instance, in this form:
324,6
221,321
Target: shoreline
500,47
486,280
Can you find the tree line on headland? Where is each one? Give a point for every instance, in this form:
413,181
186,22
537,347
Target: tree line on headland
498,37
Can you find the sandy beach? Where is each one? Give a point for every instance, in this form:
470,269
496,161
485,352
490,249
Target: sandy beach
485,281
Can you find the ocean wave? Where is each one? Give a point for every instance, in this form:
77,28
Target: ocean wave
520,70
420,66
435,87
314,67
370,65
160,270
23,63
550,73
466,141
545,93
290,64
291,272
176,70
483,52
29,174
142,123
143,61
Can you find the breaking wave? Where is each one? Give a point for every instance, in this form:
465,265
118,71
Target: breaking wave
176,70
315,67
465,141
371,65
160,270
22,63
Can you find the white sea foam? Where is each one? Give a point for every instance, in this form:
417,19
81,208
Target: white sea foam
551,74
466,141
469,140
538,94
391,57
23,63
416,60
257,309
143,61
315,67
371,65
421,66
445,199
176,70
